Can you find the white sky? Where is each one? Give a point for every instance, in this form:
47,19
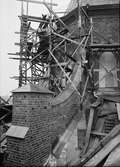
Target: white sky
9,24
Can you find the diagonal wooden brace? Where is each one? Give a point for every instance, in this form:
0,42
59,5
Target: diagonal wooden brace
89,128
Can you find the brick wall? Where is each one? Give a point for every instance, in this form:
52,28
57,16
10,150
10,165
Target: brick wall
16,149
105,22
108,27
31,110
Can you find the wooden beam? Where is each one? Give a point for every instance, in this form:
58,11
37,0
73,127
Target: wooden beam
17,44
95,133
24,33
90,31
89,128
39,2
86,83
104,152
118,110
60,12
9,112
16,58
17,53
1,99
68,39
85,13
103,50
2,137
17,32
54,65
78,47
30,78
62,41
114,132
33,18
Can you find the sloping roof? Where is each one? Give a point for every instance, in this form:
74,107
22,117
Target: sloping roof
30,88
77,121
74,3
17,131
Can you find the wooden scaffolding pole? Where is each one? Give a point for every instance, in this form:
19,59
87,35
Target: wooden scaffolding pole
38,2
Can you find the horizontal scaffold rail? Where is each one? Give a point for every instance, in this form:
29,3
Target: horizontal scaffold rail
104,46
33,18
31,78
17,53
16,58
38,2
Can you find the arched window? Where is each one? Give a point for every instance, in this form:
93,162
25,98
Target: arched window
108,70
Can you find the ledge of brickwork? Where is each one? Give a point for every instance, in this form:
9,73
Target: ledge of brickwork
31,88
17,131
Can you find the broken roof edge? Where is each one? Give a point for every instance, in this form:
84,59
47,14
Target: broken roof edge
74,11
74,4
31,88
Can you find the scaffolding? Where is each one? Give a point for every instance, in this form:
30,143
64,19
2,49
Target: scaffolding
44,48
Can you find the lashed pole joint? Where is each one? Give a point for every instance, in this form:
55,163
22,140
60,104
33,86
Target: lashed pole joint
65,73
